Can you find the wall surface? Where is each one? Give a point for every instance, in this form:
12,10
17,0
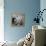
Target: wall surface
43,6
1,21
29,7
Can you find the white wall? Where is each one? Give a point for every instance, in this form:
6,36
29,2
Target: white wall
1,21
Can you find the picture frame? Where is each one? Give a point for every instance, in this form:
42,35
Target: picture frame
18,19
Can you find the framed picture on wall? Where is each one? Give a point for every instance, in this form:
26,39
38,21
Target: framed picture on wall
18,19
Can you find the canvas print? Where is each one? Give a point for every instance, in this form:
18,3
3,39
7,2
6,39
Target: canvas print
17,19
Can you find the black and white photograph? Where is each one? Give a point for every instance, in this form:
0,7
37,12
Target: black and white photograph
18,19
